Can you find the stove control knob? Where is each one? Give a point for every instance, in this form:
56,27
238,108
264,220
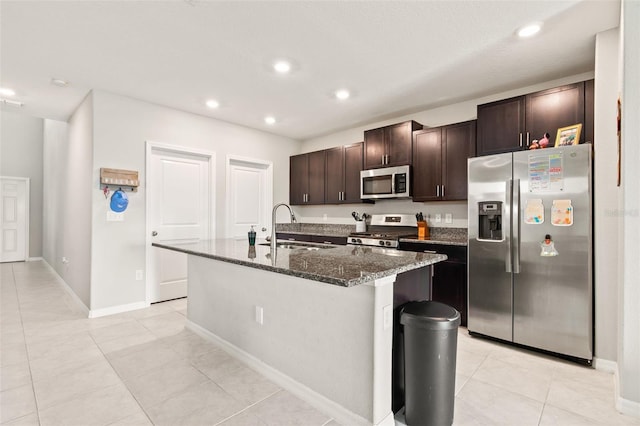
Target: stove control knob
353,240
388,243
381,242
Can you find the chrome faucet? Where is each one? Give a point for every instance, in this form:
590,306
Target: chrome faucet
273,223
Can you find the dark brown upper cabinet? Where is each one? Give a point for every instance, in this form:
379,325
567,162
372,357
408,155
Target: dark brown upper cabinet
343,166
390,145
307,178
440,161
512,124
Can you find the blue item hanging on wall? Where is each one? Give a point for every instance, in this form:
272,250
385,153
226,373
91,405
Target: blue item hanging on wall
119,201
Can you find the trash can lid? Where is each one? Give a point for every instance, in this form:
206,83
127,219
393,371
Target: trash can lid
429,315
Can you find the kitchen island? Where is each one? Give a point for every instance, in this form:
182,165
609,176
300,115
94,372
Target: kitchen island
318,321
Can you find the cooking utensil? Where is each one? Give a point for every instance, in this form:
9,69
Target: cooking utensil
355,216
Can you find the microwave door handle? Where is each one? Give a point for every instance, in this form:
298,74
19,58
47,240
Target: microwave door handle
393,183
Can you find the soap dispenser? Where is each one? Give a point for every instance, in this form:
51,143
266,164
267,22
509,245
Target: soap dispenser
252,236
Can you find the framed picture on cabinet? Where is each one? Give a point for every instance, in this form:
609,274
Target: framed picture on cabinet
569,135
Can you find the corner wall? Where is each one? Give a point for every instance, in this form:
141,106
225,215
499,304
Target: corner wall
73,201
21,150
54,175
629,293
606,195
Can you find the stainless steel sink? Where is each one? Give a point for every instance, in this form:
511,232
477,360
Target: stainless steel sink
299,246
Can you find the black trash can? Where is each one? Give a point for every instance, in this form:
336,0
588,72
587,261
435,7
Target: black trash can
430,344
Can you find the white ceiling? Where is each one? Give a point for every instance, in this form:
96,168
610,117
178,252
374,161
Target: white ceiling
396,57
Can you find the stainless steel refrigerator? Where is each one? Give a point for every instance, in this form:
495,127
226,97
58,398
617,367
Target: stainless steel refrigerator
530,249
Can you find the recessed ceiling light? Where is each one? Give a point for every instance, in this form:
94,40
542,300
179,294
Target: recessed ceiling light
342,94
529,30
5,91
59,82
270,120
282,67
212,103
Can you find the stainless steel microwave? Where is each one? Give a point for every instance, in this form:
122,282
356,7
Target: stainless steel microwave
388,182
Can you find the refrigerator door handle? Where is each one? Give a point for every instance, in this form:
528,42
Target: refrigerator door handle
515,228
507,209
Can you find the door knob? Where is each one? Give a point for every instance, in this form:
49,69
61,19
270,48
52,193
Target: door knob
154,233
264,229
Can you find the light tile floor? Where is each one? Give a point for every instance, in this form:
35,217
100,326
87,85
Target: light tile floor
143,367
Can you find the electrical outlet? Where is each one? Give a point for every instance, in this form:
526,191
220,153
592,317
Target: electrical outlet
387,317
260,315
438,218
139,274
114,217
448,218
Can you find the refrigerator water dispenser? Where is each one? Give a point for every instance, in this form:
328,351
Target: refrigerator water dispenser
490,220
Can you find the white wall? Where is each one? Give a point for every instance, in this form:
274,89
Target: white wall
121,127
449,114
54,176
73,201
21,139
629,327
606,194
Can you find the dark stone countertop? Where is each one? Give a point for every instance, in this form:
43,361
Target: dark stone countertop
345,266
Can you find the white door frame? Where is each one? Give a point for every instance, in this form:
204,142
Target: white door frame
26,209
267,165
211,156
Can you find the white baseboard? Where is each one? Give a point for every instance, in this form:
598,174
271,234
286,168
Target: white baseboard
68,289
627,407
322,403
605,365
34,259
624,406
95,313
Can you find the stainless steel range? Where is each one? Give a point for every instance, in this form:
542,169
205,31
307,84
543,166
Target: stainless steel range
385,230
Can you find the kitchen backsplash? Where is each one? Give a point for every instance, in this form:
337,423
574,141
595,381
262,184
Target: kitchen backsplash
436,233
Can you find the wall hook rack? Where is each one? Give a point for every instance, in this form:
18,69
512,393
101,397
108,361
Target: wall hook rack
111,179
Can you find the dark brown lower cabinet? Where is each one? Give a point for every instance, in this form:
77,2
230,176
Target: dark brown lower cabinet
449,282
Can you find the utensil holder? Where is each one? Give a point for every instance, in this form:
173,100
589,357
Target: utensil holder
423,231
361,226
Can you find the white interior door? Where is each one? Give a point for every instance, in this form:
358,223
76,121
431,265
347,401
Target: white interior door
14,211
249,196
180,209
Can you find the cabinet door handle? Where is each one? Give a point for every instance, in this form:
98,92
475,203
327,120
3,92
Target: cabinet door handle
520,140
527,138
442,191
431,251
437,190
343,197
383,160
